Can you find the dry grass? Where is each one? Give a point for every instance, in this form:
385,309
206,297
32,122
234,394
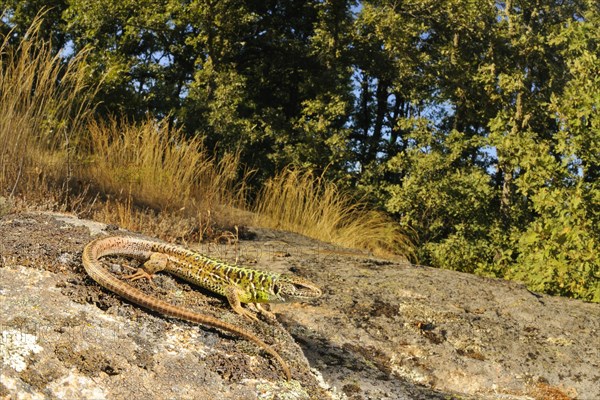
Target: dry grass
157,166
144,177
168,225
40,115
157,181
147,177
300,202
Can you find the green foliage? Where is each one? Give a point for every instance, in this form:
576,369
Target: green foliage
18,16
438,192
501,179
140,53
558,253
474,123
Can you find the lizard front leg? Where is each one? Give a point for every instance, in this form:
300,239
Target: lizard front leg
268,314
233,296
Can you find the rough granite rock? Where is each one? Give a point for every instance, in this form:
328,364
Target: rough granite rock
382,330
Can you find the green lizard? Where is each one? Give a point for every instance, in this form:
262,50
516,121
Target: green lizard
238,284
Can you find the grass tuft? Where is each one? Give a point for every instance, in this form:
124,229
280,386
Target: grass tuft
298,201
151,172
157,166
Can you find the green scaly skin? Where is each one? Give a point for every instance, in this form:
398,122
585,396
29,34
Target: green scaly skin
238,284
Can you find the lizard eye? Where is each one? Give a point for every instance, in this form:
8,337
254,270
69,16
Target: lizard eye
276,289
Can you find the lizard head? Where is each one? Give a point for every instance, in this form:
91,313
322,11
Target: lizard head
288,288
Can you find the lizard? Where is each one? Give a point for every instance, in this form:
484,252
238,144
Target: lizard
238,284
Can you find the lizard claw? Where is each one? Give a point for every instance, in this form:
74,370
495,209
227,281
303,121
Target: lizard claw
139,274
263,311
246,313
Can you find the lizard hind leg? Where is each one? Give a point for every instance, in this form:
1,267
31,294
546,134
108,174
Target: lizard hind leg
157,262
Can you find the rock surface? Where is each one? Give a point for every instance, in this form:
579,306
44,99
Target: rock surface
382,330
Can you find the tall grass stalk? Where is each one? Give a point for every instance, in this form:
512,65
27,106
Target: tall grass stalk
43,104
298,201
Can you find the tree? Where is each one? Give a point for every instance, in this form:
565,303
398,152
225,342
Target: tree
491,166
18,15
140,53
261,77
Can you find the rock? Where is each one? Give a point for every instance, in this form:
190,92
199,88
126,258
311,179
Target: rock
382,330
